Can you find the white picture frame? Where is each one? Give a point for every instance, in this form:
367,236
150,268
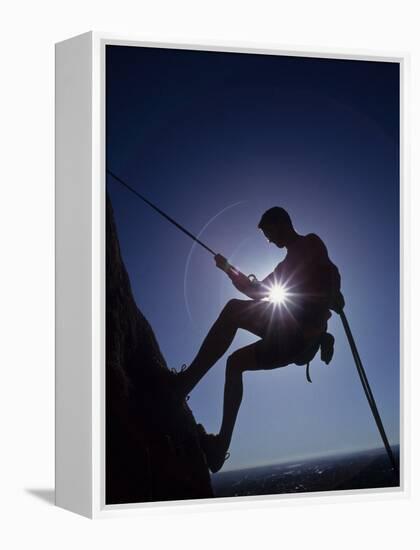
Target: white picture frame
80,274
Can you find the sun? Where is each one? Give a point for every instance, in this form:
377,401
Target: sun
278,294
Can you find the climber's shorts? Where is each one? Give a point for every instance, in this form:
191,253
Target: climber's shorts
272,353
281,340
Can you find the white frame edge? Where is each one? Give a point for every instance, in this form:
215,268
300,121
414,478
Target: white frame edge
73,265
80,116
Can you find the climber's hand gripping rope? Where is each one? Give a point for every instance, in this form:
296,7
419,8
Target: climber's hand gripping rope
237,277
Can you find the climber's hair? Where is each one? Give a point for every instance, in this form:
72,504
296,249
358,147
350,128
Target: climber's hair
276,216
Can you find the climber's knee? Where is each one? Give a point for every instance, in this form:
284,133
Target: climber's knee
232,306
242,360
235,366
230,311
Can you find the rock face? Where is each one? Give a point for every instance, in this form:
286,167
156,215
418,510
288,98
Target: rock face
152,447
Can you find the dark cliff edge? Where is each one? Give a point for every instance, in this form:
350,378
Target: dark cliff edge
152,447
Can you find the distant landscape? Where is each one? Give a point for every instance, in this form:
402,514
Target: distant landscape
361,470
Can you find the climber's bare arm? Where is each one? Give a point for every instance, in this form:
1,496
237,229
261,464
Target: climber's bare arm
252,289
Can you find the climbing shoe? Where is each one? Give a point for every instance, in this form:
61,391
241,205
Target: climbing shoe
176,382
211,446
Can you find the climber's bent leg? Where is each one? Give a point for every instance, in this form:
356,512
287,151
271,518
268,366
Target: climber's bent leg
215,446
242,360
256,356
236,314
248,358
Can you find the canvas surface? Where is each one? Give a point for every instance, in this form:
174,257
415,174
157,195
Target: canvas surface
214,140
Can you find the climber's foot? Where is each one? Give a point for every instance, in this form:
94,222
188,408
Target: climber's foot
178,383
213,449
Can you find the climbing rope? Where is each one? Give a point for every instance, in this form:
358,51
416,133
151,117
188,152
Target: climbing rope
371,400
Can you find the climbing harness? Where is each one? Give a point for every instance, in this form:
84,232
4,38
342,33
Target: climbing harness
324,344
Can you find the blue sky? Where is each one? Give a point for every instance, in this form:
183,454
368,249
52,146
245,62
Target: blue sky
215,139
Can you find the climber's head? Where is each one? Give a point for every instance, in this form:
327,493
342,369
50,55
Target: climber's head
277,226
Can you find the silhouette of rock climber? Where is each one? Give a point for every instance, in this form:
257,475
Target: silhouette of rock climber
286,329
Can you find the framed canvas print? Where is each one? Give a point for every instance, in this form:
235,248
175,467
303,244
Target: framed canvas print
228,229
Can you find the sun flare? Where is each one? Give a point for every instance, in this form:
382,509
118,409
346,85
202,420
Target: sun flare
278,294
